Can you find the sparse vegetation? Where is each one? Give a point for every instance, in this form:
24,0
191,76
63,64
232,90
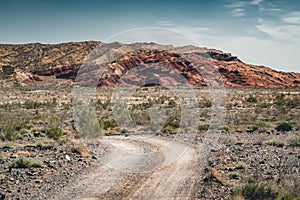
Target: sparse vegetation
44,145
234,175
9,133
203,128
263,192
255,192
25,162
54,132
251,119
283,127
107,124
295,141
241,165
275,143
251,99
205,103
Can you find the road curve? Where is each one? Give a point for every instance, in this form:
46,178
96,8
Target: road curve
139,167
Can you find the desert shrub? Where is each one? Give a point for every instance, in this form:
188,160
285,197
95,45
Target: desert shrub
287,196
7,145
44,145
86,123
140,118
29,104
270,172
205,103
171,125
295,141
9,133
107,124
293,103
284,126
275,143
54,132
25,162
225,129
241,165
172,104
280,100
255,192
103,105
252,128
234,175
203,128
251,99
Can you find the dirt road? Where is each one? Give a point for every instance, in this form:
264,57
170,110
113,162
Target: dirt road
139,167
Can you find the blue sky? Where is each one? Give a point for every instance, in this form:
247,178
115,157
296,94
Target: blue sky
262,32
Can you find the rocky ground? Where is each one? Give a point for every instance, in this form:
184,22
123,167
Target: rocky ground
60,165
37,163
139,167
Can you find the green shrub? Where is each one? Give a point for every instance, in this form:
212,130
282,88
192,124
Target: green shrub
275,143
87,125
29,104
42,145
295,141
171,125
205,103
287,196
241,165
255,192
103,105
107,124
203,128
251,99
172,104
285,126
54,132
280,100
25,162
9,132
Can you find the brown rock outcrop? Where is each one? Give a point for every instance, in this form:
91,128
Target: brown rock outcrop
150,65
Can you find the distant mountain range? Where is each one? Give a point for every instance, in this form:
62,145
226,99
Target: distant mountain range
147,64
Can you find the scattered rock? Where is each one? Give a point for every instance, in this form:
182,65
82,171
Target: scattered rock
68,158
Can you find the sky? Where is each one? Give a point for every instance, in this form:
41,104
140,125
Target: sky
261,32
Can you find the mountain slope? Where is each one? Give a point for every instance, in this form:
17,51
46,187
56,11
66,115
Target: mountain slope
28,63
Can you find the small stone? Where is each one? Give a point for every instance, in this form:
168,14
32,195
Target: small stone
38,181
36,134
67,157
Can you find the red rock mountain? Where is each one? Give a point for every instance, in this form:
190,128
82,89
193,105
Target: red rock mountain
138,64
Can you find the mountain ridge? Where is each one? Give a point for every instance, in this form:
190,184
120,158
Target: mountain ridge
28,63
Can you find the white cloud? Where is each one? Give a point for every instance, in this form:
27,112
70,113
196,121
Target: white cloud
237,8
238,12
255,2
279,31
165,23
292,18
275,54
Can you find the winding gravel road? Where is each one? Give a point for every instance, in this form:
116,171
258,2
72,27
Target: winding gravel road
139,167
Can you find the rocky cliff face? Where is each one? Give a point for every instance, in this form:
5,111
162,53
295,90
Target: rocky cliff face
149,65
